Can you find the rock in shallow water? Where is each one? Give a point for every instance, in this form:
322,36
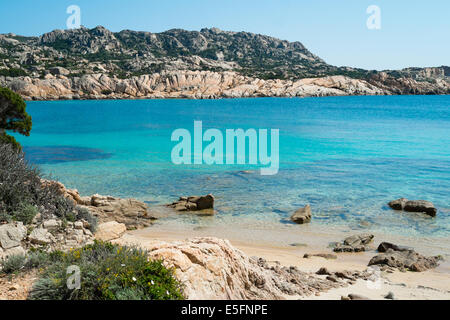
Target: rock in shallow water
194,203
414,206
302,215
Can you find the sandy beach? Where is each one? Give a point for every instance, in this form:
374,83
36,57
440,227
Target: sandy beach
432,284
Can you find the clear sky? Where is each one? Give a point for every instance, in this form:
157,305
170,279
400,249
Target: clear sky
413,33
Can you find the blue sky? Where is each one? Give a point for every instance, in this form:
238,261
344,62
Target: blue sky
413,33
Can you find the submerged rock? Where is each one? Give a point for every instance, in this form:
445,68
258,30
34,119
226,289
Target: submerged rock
302,215
194,203
414,206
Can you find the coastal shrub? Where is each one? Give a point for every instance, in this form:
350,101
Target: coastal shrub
13,263
37,259
83,213
25,213
107,272
20,184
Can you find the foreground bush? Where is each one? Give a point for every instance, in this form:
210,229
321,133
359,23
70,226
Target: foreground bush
21,189
108,272
34,259
13,264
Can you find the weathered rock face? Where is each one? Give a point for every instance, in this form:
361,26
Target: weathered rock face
211,268
183,84
402,258
302,215
133,213
111,230
11,237
414,206
356,243
12,234
194,203
48,234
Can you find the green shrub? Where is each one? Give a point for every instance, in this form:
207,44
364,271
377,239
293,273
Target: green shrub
13,263
108,272
25,213
21,184
13,72
83,213
37,259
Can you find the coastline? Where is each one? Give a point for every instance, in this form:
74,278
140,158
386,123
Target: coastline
208,85
227,98
432,284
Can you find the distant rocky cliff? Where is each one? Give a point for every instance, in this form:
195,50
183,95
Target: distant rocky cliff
99,64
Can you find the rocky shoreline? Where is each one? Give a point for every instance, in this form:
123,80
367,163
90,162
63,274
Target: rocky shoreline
210,85
209,268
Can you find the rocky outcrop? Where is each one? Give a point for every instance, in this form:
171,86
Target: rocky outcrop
108,231
414,206
11,237
302,215
130,212
183,84
356,243
48,234
193,203
211,268
133,213
401,258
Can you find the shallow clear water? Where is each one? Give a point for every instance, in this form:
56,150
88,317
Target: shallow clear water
346,156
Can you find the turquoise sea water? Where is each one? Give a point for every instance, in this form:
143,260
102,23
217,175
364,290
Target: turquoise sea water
346,156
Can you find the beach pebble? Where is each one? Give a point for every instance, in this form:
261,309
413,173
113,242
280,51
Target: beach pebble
353,296
389,296
323,271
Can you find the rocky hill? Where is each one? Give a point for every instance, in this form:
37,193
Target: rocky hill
210,63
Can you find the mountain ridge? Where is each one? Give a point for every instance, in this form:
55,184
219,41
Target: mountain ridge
125,55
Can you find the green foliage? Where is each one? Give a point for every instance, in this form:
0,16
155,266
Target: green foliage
21,185
13,72
37,259
25,213
13,116
13,263
108,272
85,214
